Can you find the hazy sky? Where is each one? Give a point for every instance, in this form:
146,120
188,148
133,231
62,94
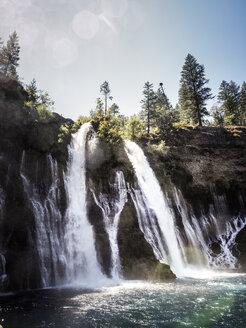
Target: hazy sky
72,46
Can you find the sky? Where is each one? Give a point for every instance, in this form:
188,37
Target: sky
72,46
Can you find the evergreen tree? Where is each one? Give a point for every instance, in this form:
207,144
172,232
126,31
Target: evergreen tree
133,128
37,97
162,100
243,104
32,92
9,58
193,93
229,98
218,115
45,99
114,109
105,90
148,104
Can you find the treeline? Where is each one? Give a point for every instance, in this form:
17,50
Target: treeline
158,118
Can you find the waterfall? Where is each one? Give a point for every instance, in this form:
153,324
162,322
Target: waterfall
112,205
159,216
81,258
200,233
187,246
227,240
48,226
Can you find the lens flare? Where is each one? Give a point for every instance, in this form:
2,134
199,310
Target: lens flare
85,24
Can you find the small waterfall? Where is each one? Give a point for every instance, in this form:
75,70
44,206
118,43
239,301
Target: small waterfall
227,241
48,226
81,258
112,205
200,233
159,216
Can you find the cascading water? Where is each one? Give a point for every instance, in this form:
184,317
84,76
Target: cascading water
227,240
81,258
188,249
48,226
160,218
112,206
200,233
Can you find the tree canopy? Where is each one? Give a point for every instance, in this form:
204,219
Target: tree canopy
193,92
9,57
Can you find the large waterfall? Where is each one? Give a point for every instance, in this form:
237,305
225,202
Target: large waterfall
82,264
187,249
155,216
65,244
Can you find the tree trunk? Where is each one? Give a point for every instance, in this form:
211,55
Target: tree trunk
105,104
199,117
148,118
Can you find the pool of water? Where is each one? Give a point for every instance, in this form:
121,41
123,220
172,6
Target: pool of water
215,302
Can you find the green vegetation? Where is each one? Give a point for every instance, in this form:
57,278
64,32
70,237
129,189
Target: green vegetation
9,57
158,120
192,93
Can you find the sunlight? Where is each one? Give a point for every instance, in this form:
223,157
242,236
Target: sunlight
85,24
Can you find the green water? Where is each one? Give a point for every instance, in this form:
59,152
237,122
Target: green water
217,302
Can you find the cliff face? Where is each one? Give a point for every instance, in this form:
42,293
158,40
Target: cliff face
206,164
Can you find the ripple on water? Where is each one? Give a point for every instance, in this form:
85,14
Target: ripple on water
184,303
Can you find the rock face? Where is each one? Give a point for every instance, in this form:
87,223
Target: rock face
207,165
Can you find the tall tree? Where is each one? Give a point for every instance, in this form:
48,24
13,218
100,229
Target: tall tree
9,59
162,99
243,104
148,104
105,90
193,92
229,98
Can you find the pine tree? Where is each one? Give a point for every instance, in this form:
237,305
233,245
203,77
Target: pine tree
243,104
192,93
229,98
148,104
114,109
217,114
162,99
9,59
105,90
32,92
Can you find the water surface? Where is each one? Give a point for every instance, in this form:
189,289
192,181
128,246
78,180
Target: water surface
216,302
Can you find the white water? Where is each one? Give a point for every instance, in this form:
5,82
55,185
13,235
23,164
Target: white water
81,258
48,226
198,231
158,210
185,247
112,205
66,245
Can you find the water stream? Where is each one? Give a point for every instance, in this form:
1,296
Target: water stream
112,205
